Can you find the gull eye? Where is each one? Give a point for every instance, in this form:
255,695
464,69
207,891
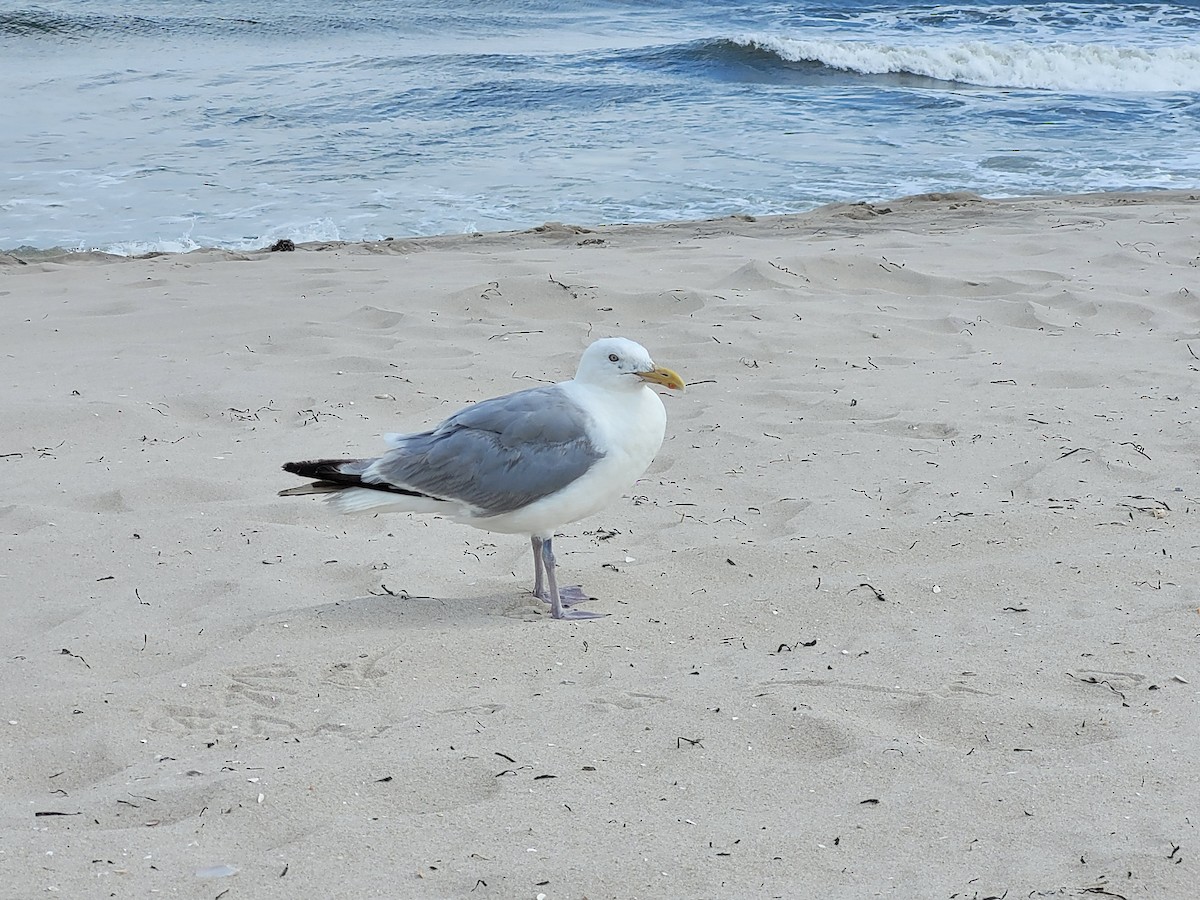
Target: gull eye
612,357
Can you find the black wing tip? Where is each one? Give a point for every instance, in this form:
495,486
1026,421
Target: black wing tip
300,468
322,470
306,469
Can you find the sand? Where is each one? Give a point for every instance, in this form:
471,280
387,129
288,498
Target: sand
906,606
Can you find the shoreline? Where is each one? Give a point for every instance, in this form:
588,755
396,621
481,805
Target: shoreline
905,605
21,255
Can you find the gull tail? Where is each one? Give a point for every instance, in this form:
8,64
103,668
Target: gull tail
342,480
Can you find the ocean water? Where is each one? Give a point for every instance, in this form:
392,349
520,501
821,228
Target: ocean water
170,125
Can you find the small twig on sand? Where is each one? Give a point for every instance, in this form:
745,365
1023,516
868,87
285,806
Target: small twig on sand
876,591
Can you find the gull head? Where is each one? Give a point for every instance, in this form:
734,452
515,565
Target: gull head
622,364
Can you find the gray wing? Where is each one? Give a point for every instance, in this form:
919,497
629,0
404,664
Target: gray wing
497,455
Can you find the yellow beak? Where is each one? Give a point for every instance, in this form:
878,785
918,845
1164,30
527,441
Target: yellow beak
663,376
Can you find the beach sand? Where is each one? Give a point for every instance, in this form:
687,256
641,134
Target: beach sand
905,607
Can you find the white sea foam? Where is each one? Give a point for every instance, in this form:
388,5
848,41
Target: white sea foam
140,248
323,229
1082,68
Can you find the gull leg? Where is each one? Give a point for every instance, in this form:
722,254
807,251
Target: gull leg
539,588
557,608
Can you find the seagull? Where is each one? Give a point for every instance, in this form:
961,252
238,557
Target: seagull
524,463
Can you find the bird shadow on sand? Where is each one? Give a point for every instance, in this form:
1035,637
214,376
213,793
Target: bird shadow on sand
400,610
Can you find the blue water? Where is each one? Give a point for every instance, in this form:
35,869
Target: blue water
172,125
